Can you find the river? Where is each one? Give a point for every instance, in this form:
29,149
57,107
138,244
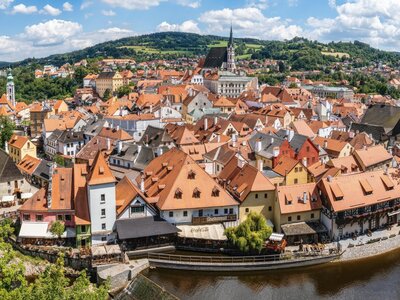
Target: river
367,279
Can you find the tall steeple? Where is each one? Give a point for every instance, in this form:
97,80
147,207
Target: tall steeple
10,88
230,63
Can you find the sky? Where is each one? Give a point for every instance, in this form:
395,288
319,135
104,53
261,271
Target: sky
38,28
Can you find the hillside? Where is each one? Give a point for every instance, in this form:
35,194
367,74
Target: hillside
300,53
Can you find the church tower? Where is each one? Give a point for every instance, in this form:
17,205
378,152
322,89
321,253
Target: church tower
230,64
10,88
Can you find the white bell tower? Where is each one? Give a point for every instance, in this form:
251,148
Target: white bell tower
10,88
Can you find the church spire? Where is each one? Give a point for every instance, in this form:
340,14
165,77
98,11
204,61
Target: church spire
10,88
230,43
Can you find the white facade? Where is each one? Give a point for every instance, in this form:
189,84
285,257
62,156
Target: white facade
135,128
197,80
102,206
71,148
137,209
185,216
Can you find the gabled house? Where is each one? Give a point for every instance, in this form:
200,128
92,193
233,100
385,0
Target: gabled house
19,146
293,171
373,158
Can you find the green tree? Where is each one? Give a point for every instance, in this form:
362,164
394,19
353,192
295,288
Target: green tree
107,94
250,235
57,229
123,90
6,130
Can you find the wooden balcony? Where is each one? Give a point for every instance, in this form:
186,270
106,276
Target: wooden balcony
213,219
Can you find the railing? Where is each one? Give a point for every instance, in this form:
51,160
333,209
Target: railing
213,219
237,259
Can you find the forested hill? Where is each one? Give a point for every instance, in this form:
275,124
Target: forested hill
300,53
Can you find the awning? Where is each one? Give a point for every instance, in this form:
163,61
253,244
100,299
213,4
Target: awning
203,232
26,195
41,230
7,198
34,230
303,228
394,213
143,227
276,237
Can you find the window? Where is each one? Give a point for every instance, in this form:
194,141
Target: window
185,213
247,210
68,218
308,148
215,192
39,218
60,217
196,193
27,217
231,211
296,181
200,212
102,198
171,214
289,219
298,217
300,169
137,209
178,194
103,226
256,196
216,211
269,208
191,174
312,216
225,211
103,212
265,195
103,238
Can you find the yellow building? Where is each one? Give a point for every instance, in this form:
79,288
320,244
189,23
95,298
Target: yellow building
250,187
297,212
108,81
19,146
293,171
59,107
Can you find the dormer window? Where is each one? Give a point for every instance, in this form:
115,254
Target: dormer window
196,193
215,192
178,194
191,174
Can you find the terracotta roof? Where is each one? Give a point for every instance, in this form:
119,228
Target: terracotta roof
145,100
346,164
100,172
301,127
82,215
333,146
18,141
53,124
115,134
291,198
353,191
318,169
372,155
89,151
126,192
285,165
168,178
28,164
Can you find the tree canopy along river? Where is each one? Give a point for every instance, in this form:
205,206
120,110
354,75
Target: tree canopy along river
371,278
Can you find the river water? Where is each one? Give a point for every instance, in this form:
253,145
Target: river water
367,279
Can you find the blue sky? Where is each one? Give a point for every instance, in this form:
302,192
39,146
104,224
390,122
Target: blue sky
39,28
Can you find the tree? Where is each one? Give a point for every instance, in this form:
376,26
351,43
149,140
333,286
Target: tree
250,235
281,67
123,90
57,229
107,94
6,130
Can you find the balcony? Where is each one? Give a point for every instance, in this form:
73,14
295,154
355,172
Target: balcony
213,219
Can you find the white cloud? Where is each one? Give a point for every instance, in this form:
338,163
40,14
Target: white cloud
133,4
50,10
23,9
8,45
52,32
85,4
332,3
108,13
249,22
68,6
189,3
187,26
372,21
5,3
260,4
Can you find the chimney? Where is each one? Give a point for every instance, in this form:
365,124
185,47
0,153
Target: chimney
108,144
215,121
305,197
119,147
117,127
329,178
351,134
304,161
234,139
325,144
275,151
142,189
218,138
291,135
260,165
258,145
205,124
151,108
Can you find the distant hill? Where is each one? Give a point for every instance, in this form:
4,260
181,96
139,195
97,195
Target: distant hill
299,53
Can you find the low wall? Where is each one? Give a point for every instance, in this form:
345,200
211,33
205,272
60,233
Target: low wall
246,266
